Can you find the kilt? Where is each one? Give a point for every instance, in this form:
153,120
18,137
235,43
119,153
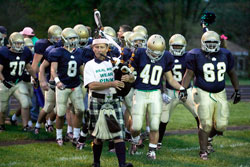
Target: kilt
95,107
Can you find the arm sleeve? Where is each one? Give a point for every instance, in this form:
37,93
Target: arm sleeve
136,59
170,62
190,61
53,55
230,60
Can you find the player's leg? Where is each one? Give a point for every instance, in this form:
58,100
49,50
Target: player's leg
4,102
155,109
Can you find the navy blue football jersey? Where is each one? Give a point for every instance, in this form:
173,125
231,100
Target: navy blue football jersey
26,75
178,69
126,54
68,65
88,53
209,69
149,74
41,45
113,52
14,63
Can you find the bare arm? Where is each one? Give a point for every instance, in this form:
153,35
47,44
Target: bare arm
42,78
169,77
37,58
53,70
30,70
101,86
1,74
187,78
81,69
234,79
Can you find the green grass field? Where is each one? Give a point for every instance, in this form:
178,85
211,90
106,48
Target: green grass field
232,149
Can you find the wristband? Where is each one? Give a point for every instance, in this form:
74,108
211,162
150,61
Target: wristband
182,88
57,80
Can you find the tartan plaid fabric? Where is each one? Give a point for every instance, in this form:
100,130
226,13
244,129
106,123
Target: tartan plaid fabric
94,109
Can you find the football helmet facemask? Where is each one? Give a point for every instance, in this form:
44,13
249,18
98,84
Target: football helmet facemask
137,40
54,33
177,45
125,38
110,32
141,29
210,42
16,42
155,47
70,38
28,43
83,34
1,39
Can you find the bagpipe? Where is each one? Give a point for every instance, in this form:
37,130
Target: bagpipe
120,67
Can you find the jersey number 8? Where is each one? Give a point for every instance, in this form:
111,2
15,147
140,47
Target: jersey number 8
72,69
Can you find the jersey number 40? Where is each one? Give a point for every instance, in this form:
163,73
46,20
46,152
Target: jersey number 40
155,76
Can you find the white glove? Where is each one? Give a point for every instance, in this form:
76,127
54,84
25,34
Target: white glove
166,99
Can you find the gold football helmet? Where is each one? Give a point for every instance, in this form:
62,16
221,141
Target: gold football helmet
177,45
83,34
28,43
54,33
156,46
16,42
210,42
137,40
125,39
70,38
1,39
110,32
141,29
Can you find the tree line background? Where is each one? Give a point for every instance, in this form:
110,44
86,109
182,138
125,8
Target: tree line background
165,17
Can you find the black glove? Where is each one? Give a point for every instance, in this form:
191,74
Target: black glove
183,95
36,84
7,84
236,96
52,85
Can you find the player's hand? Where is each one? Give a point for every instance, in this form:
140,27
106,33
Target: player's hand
236,97
126,78
7,84
183,94
44,85
52,85
60,85
166,99
118,84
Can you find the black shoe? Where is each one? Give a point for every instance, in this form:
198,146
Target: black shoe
28,129
96,164
2,128
127,165
13,122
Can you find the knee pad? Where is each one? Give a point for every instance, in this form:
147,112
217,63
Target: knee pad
137,122
221,126
206,126
61,109
3,106
154,123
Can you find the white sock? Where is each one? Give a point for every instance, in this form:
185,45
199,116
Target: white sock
83,134
153,145
49,122
69,129
14,118
76,133
38,125
30,123
58,133
148,129
136,139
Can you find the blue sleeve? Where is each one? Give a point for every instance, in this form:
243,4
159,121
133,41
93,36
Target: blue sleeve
135,59
40,47
53,55
230,59
170,62
29,55
88,55
190,61
2,58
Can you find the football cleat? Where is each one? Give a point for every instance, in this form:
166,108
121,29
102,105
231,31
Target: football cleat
159,145
95,164
27,129
49,128
151,155
59,141
210,148
204,155
133,149
79,145
13,122
2,128
69,137
36,131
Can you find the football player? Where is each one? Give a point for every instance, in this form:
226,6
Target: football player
47,83
122,29
66,66
151,64
209,65
13,62
83,34
177,47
